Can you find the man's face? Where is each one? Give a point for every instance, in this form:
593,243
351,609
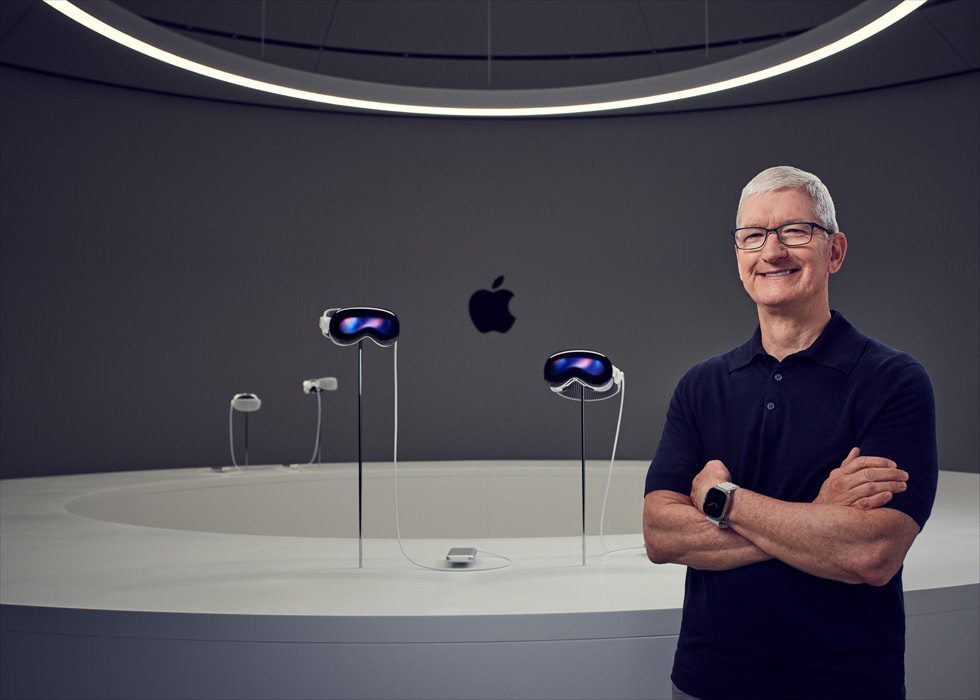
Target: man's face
787,278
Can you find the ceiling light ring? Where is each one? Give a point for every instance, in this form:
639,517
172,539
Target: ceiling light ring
141,35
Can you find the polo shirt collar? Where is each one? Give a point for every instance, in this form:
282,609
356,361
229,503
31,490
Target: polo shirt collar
839,346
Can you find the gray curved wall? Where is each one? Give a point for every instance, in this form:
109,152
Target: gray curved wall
160,254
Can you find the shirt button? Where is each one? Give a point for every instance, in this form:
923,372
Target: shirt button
770,405
778,377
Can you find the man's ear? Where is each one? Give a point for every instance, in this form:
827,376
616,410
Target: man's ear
838,249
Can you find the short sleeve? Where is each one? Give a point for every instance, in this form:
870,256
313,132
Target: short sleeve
903,428
680,454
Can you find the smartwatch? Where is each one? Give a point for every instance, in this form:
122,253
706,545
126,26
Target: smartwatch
717,503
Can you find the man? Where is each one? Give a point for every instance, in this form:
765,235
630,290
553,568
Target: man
792,476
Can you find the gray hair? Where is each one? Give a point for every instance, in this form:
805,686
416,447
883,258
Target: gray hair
785,176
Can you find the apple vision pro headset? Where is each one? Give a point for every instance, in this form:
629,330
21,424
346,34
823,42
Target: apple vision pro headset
351,325
582,375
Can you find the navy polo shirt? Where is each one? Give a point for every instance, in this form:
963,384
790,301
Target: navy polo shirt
768,630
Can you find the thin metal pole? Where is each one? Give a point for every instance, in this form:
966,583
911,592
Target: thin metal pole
360,462
582,405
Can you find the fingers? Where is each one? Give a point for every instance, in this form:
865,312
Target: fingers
852,455
881,480
870,475
863,482
875,501
871,483
715,468
854,462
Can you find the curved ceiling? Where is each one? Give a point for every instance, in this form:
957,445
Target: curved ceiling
468,50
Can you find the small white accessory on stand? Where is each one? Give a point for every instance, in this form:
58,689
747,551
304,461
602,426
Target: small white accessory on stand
243,403
318,386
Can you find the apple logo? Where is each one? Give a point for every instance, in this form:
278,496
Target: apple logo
488,308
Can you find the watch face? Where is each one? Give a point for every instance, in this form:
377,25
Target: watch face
714,503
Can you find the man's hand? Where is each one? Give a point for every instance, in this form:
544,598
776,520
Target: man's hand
713,473
863,482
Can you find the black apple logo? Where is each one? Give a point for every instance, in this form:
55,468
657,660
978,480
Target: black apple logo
488,309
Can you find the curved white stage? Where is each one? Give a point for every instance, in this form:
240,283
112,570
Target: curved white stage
194,583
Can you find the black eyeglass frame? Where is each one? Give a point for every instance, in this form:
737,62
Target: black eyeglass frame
765,238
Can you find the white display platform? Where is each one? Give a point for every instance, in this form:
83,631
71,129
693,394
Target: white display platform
194,583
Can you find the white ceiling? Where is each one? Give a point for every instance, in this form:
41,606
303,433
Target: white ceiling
491,45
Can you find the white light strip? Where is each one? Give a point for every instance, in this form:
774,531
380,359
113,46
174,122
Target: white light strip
887,19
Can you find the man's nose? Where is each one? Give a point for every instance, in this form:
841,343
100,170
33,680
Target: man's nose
773,246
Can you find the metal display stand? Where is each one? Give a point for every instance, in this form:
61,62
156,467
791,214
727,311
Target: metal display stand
584,375
360,458
582,423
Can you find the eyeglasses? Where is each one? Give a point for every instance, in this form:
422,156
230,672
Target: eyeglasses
754,237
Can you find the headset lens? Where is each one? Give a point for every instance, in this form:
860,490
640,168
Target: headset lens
354,324
588,367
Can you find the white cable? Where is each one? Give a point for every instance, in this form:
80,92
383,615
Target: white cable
319,419
231,437
612,461
231,431
398,530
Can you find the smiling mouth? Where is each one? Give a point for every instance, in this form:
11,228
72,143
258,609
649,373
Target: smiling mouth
779,273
